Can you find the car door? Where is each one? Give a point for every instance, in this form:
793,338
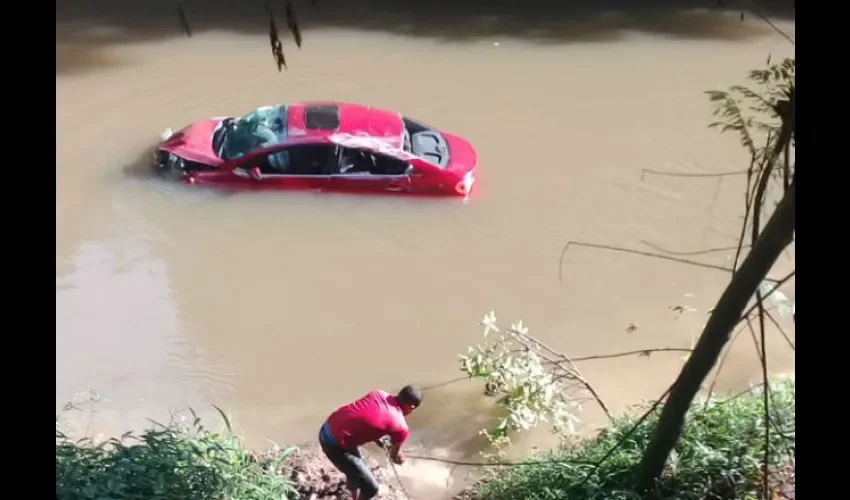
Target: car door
299,167
365,171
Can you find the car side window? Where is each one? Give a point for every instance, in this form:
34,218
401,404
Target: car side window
303,159
362,162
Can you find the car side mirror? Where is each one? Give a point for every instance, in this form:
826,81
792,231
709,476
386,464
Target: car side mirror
256,174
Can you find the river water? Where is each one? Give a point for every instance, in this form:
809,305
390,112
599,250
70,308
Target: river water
279,307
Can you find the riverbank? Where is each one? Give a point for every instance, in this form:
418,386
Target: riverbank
719,456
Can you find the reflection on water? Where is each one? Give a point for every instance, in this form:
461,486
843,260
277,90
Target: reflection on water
119,330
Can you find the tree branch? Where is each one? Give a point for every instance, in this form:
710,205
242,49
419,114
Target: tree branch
695,252
571,371
769,293
778,234
726,352
668,173
641,352
612,248
781,331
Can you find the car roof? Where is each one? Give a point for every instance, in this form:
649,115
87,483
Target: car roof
347,125
325,118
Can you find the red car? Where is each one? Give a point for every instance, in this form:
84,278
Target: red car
328,146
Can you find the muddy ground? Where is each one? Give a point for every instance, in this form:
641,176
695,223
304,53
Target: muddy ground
317,479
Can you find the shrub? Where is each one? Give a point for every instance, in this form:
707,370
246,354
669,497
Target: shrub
718,457
174,461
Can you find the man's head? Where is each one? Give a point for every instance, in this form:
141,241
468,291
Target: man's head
409,398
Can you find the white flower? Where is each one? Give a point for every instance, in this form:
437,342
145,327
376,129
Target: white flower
519,328
489,323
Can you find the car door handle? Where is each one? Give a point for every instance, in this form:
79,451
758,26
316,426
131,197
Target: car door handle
395,188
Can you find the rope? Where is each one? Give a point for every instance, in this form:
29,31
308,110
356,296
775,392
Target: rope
397,477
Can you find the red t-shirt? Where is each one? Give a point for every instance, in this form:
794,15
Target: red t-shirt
371,417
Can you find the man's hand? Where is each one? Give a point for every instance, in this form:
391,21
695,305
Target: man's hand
397,457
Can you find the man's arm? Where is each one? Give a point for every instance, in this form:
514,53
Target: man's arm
396,454
398,438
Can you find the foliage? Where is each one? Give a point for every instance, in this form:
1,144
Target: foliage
718,456
753,113
531,386
179,460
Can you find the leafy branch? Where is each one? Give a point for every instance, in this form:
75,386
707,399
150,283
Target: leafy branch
533,382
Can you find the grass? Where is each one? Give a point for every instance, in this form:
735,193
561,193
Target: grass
168,462
719,456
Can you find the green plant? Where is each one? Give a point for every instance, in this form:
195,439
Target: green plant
752,113
533,384
718,456
168,462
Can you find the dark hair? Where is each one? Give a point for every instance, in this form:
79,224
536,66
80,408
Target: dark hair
410,395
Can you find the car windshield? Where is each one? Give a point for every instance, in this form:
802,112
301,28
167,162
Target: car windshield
261,128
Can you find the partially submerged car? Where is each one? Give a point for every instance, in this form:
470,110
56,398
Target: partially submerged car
327,146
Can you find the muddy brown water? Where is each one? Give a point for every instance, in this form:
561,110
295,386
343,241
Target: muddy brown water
279,307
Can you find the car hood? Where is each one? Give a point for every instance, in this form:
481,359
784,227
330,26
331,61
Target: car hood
194,143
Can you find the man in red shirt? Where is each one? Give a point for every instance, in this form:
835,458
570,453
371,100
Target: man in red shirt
368,420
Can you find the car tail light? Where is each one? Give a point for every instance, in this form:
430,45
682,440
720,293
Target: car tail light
465,185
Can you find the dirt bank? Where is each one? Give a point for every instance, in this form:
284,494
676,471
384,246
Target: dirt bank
317,479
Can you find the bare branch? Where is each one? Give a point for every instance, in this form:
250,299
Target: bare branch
769,293
754,9
613,248
720,366
571,370
668,173
779,327
695,252
641,352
